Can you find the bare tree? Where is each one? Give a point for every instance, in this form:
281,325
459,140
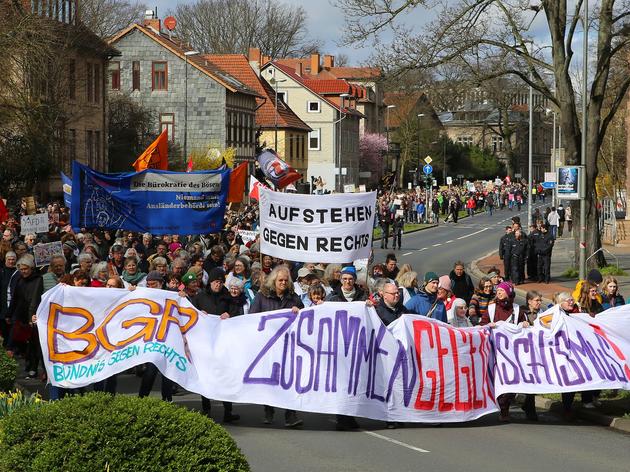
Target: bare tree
107,17
233,26
473,33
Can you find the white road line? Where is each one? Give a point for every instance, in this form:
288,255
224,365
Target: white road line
423,249
472,234
449,241
407,254
394,441
438,244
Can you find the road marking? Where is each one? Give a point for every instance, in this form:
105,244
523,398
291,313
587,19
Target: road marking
438,244
472,234
394,441
423,249
449,241
407,254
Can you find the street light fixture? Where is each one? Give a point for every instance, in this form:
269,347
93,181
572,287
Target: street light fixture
186,54
342,116
274,82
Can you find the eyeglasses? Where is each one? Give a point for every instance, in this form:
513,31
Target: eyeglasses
392,293
488,286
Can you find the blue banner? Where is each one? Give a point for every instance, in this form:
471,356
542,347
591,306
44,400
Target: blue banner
154,201
66,184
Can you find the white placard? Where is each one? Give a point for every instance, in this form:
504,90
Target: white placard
44,252
449,181
550,177
362,188
37,223
321,228
247,235
348,188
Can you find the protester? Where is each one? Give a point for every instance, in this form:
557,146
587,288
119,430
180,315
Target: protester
610,297
277,293
426,301
461,284
531,310
480,300
458,314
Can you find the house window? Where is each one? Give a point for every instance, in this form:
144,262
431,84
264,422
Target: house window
160,75
497,143
282,97
167,122
72,80
115,71
89,89
465,140
97,83
89,147
135,75
313,107
313,140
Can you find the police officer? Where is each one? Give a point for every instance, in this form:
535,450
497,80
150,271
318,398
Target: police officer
517,253
543,247
503,247
397,230
384,221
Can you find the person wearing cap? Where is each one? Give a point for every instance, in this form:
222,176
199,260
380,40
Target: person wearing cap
348,291
155,280
444,292
305,278
277,293
503,247
517,252
426,302
191,284
215,300
595,277
70,251
503,309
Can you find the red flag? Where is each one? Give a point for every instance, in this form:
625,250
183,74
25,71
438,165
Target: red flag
237,183
155,156
254,187
189,166
4,212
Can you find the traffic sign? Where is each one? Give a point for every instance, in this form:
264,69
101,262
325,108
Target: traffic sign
428,160
548,185
427,169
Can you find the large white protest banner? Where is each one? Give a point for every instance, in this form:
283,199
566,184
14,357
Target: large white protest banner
332,358
322,228
564,353
37,223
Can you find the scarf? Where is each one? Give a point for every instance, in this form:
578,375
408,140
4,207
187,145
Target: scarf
349,295
133,279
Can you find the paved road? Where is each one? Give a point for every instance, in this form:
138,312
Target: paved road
481,445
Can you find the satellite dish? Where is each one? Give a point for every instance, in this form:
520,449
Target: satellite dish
170,22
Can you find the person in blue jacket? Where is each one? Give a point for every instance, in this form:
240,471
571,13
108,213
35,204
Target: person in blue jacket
426,302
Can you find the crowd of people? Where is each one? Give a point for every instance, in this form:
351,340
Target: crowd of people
226,275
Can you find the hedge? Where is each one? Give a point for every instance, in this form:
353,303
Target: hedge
8,371
100,432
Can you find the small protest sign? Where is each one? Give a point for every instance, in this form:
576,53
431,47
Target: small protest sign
37,223
45,251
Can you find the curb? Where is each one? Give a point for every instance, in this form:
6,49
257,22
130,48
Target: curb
616,423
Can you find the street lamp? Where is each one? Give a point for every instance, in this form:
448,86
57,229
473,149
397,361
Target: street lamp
389,107
275,81
418,116
342,115
186,54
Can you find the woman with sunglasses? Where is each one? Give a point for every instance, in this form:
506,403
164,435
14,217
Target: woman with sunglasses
480,300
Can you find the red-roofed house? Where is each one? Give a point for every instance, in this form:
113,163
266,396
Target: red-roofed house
280,122
198,103
329,108
368,79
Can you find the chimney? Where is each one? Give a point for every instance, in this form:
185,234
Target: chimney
254,58
314,63
151,20
298,70
266,59
329,61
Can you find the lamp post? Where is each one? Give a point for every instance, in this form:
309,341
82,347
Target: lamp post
418,116
186,54
275,81
342,115
530,153
389,107
583,144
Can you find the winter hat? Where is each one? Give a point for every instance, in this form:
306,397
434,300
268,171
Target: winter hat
430,277
507,287
445,283
216,274
350,270
595,276
189,277
154,275
304,272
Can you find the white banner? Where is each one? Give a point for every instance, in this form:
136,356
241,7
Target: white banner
322,228
564,353
37,223
333,358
